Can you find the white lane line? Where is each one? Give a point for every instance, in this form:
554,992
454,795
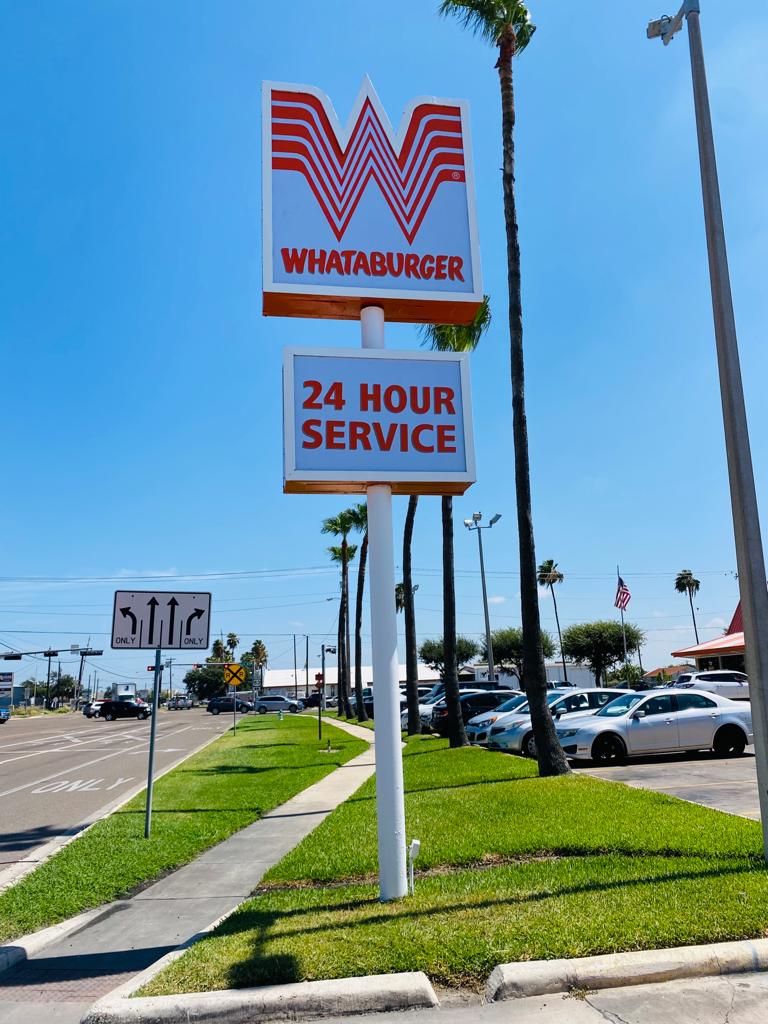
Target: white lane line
114,737
73,768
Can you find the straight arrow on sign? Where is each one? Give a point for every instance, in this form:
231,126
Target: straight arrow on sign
173,604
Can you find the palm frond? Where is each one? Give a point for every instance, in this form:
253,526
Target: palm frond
458,337
490,18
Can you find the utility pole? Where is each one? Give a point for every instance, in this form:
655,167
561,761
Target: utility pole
306,667
750,560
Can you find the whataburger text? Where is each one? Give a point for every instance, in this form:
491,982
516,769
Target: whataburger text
419,267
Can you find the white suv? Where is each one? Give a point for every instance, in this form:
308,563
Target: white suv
278,702
724,682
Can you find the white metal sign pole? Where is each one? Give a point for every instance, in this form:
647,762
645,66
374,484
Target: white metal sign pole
390,806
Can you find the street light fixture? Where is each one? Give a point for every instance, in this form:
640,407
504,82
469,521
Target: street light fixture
474,524
746,523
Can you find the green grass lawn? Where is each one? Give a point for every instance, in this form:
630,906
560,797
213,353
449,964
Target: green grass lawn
514,868
228,785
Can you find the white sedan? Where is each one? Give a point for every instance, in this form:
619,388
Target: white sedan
660,722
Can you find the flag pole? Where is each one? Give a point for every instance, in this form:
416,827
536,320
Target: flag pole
621,612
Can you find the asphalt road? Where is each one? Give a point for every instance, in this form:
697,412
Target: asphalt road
726,784
57,773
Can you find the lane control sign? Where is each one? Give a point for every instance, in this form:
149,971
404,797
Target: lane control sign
144,619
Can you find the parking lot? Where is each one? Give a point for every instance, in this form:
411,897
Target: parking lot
727,784
60,772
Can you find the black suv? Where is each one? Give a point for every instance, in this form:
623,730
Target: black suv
471,704
218,705
112,709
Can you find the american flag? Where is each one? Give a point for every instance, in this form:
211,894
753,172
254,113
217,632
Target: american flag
622,595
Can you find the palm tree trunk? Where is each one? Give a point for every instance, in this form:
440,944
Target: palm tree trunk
559,635
549,752
411,655
361,712
345,628
340,659
693,616
457,735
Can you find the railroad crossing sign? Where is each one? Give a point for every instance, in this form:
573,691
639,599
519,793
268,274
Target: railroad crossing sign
144,619
234,675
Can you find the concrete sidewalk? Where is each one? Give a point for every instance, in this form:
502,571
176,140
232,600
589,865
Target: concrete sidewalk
61,981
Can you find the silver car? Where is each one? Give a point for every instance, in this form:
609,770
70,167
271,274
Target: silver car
516,734
659,722
477,728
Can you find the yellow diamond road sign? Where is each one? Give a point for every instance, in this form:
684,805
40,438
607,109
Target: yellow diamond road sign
234,675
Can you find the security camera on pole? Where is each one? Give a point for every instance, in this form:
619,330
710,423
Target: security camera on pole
366,222
746,521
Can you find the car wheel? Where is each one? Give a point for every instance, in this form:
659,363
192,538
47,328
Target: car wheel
262,711
730,741
214,711
142,716
293,708
109,717
609,749
243,709
529,746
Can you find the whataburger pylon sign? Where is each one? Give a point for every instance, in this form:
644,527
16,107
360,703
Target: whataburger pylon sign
365,222
365,212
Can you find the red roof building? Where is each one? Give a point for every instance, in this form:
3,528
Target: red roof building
726,651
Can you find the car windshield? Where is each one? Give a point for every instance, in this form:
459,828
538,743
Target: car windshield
512,703
620,706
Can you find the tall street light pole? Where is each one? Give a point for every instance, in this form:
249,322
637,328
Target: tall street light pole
474,524
746,523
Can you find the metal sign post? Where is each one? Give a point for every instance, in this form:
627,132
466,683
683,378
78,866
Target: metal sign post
152,731
234,674
390,796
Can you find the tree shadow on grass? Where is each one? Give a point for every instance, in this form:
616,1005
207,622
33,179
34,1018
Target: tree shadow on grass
263,968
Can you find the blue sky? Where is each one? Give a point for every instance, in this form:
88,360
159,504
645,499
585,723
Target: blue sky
140,389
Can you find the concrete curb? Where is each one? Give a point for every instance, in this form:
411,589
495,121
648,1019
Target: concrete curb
28,945
615,970
299,1001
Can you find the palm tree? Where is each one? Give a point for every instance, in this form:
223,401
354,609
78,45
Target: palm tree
507,25
454,338
343,554
233,641
359,516
686,583
548,575
411,652
219,650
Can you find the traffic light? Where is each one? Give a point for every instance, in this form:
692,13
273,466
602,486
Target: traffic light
11,657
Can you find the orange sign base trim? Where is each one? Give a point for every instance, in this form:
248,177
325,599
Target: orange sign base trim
337,307
359,487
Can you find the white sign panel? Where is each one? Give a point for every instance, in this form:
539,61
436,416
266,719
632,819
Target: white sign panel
144,619
355,417
364,212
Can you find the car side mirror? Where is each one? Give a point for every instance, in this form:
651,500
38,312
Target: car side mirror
639,714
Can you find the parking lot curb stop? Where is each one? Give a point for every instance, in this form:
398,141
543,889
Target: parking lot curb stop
614,970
